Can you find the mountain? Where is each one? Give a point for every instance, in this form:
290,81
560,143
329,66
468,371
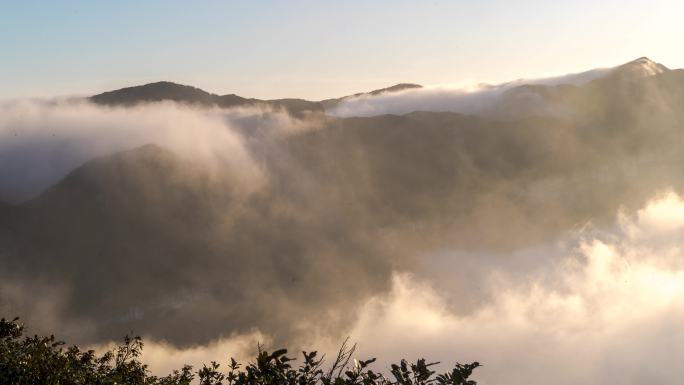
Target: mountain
127,231
331,103
164,90
639,68
147,240
155,92
161,91
394,88
511,100
150,241
638,83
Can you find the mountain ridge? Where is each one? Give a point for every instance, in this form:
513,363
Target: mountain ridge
171,91
337,200
632,71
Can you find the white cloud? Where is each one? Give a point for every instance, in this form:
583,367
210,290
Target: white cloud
609,314
41,141
162,358
473,99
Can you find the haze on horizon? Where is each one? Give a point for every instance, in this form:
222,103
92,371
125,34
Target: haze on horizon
320,49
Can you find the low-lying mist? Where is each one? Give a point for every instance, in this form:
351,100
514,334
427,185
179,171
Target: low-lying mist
607,299
41,141
608,311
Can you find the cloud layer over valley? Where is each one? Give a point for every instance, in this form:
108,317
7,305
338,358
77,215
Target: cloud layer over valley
542,219
607,299
609,311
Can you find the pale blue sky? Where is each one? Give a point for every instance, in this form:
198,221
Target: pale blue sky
318,49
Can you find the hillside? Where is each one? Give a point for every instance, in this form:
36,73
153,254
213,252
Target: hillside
149,240
164,90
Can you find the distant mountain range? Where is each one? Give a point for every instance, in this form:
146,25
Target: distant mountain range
169,91
148,240
164,90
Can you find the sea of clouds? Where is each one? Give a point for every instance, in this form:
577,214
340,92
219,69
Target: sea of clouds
610,311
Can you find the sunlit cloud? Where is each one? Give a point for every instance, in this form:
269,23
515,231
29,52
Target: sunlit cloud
608,314
43,140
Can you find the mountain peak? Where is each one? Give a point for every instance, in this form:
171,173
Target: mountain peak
395,88
641,67
643,61
154,92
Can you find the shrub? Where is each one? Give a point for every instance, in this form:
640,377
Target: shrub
44,360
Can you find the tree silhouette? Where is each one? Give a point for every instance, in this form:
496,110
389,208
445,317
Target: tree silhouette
45,360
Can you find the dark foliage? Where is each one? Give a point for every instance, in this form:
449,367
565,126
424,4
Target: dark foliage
45,360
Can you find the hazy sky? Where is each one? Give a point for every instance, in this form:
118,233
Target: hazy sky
317,49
